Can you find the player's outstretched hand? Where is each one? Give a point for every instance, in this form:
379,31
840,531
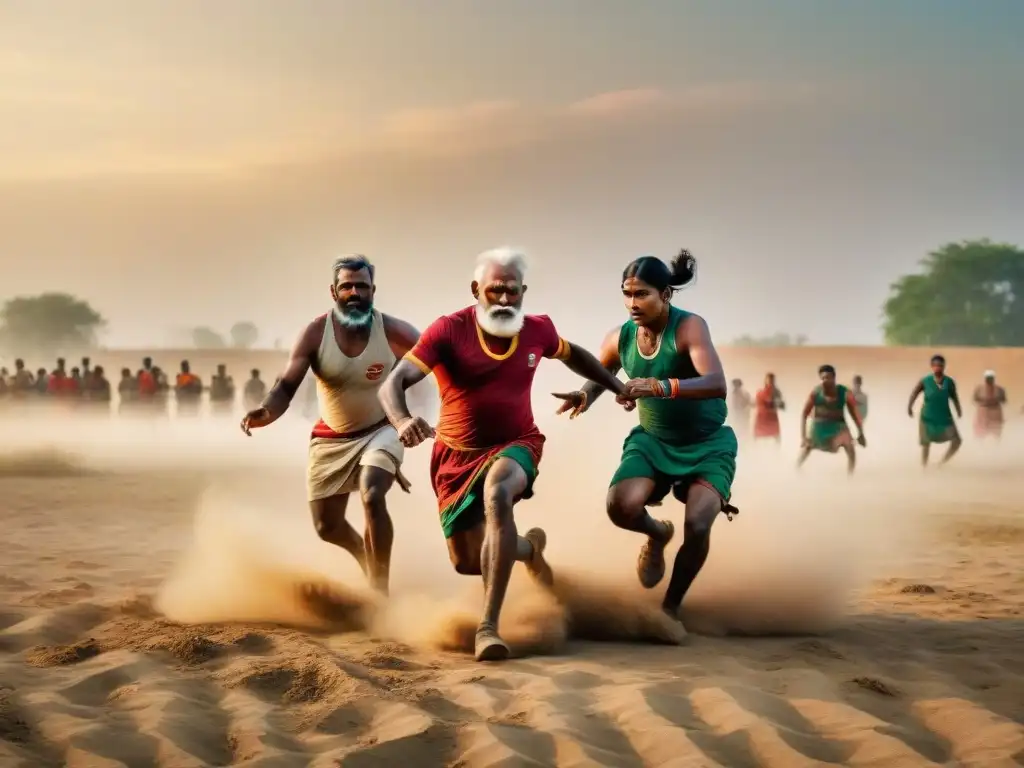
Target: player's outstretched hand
573,403
627,401
254,419
862,441
414,431
635,388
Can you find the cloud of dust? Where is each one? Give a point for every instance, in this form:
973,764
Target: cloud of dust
802,546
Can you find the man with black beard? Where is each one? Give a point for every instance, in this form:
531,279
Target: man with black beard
353,447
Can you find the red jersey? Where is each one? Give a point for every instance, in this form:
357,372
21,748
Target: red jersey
62,385
485,395
766,415
146,383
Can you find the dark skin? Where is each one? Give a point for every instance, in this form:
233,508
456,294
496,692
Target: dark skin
491,548
626,504
939,372
373,550
828,386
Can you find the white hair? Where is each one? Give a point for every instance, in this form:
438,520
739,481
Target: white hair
502,257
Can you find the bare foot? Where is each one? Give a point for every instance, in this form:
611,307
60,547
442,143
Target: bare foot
537,565
489,646
650,566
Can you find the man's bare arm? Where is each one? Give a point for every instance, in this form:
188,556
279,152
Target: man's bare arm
299,361
583,363
918,389
402,336
392,392
607,358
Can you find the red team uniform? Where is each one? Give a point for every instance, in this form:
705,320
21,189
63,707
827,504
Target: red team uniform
486,409
766,414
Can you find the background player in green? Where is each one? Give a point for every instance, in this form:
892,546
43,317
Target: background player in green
681,444
829,402
936,424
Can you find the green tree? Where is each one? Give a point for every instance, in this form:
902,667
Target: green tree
48,324
775,340
967,294
244,334
207,338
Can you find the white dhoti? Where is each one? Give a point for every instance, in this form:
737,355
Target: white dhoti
334,462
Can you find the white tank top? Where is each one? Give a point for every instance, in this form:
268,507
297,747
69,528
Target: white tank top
347,386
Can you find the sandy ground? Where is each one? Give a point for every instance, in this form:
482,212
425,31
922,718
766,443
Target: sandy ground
164,602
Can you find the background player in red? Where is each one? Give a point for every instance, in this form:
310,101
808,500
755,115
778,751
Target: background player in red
767,404
487,447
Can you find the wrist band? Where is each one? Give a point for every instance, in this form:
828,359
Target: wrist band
666,387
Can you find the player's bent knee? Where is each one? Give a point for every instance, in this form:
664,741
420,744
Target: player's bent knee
701,514
373,496
498,498
697,526
622,510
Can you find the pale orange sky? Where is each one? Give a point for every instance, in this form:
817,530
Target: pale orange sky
195,163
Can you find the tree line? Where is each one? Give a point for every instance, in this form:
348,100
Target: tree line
968,294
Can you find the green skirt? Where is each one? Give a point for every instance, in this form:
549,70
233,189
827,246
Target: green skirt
937,432
830,436
711,460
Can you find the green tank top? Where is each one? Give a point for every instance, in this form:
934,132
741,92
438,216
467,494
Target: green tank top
935,410
830,410
674,421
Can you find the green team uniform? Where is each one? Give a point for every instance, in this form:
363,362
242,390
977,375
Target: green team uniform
828,430
678,442
936,424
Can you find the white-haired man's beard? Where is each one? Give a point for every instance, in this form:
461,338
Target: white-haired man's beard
503,322
354,314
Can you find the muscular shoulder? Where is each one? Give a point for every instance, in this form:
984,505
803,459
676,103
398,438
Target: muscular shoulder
399,330
312,335
691,329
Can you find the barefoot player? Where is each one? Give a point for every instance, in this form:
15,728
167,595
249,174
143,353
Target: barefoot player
487,447
936,423
353,448
829,403
681,444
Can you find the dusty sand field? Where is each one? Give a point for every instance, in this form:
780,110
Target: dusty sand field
164,602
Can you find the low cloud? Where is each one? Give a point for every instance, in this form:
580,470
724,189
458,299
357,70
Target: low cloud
243,131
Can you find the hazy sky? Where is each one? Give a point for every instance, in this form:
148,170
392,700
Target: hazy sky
191,162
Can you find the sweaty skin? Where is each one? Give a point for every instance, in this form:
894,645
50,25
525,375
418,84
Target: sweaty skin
373,550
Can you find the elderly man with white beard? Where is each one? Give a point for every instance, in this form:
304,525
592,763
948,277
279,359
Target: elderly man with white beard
487,447
353,447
